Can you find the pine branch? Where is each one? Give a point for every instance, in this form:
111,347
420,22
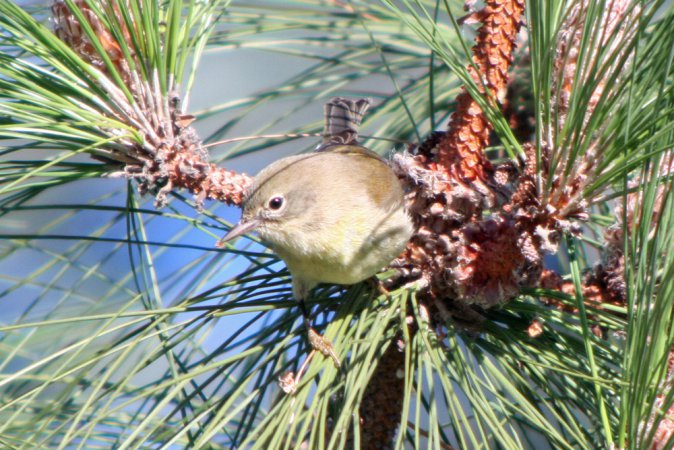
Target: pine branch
171,155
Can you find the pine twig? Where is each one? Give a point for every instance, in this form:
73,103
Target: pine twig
172,155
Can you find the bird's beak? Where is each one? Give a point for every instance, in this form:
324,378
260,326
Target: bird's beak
243,227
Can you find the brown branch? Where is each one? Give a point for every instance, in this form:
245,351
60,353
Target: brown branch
381,407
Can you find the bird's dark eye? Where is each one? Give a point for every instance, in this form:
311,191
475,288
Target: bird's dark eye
276,202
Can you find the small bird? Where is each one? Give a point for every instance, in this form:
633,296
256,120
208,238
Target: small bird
334,216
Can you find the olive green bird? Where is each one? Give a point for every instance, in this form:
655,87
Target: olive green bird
334,216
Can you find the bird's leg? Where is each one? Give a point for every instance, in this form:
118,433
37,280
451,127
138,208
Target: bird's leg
305,313
316,341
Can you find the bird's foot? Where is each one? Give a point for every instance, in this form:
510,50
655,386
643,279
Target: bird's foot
289,380
324,346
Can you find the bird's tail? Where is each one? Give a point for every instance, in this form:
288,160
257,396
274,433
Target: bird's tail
342,120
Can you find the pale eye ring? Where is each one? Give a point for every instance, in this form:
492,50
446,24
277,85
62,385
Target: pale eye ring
276,202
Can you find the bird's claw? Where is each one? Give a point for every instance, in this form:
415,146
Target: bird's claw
322,345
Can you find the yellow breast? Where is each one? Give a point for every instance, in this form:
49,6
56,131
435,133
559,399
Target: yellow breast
351,250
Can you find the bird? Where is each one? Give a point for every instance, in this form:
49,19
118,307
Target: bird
333,216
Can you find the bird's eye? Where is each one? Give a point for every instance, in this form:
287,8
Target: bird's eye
276,202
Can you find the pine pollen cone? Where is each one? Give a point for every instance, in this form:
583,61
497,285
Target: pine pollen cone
489,261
